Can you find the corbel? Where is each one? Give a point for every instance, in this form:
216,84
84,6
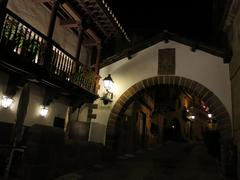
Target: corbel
13,85
49,96
75,103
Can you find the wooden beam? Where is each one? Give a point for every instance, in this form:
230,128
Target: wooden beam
67,7
50,31
90,43
70,24
92,35
97,64
41,1
80,39
53,17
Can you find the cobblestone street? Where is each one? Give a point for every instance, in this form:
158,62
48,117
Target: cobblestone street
172,161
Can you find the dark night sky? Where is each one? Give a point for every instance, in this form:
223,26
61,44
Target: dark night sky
189,18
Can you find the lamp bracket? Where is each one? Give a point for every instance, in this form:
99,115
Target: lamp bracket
107,97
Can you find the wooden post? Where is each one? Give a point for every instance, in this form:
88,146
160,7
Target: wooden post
53,17
3,6
51,27
80,39
79,45
97,64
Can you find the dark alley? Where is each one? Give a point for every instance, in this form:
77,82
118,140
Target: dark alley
171,161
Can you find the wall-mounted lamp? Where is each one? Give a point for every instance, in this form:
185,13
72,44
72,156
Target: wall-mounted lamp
108,85
6,101
210,115
108,82
43,111
191,117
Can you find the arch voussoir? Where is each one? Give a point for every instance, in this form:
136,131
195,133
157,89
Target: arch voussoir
193,87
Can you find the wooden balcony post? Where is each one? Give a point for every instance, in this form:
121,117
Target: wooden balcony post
53,17
3,6
97,64
80,39
51,26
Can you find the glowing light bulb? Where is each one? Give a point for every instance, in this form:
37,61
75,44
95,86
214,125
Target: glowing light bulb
6,101
43,111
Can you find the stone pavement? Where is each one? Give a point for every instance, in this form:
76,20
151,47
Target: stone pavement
172,161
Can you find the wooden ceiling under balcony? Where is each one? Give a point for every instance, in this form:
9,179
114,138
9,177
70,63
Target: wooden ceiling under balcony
94,14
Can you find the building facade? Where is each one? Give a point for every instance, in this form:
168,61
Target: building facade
53,50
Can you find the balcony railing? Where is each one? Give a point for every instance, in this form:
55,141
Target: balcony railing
22,39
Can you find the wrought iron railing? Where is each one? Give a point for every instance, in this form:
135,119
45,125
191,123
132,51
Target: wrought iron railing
21,38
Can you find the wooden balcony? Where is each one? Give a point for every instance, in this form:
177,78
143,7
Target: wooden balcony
26,50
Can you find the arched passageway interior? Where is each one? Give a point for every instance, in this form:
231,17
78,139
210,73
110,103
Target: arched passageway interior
165,108
161,113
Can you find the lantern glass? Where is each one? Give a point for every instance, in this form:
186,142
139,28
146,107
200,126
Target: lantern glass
108,83
6,101
210,115
43,111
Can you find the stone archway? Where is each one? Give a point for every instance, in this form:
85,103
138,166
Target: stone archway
191,86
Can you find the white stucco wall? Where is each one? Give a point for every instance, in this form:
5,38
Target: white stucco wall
56,109
206,69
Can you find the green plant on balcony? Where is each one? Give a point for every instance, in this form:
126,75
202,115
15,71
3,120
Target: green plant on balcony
17,38
77,77
8,36
33,49
20,40
27,45
89,79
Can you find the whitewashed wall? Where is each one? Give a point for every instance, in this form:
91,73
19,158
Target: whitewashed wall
206,69
56,109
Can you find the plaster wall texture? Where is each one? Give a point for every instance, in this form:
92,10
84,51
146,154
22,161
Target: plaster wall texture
206,69
56,109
